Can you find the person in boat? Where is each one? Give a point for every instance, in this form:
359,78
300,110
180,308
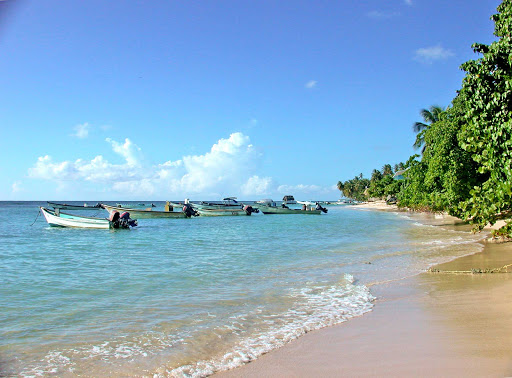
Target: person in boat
284,206
304,207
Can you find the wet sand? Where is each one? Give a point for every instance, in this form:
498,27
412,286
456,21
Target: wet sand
434,324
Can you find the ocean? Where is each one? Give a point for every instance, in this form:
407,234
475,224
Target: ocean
190,297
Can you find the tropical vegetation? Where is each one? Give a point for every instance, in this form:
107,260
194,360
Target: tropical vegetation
465,167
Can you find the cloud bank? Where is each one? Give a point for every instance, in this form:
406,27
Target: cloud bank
230,167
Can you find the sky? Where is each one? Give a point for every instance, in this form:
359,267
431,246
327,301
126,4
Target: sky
166,100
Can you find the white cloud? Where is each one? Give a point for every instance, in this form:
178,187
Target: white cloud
45,168
16,187
229,167
224,169
128,150
258,186
381,15
311,84
81,131
433,53
408,2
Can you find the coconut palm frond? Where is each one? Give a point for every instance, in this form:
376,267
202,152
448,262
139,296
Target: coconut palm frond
418,126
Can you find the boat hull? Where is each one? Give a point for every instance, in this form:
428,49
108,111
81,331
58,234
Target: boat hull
145,214
65,206
221,212
68,220
283,210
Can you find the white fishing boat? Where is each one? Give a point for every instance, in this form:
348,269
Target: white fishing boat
66,206
289,200
265,201
312,205
226,203
145,213
56,218
246,210
265,209
307,203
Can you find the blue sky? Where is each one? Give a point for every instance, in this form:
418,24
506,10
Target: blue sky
121,100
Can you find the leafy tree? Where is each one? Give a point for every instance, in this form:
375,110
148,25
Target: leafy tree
429,116
446,173
354,188
387,170
341,188
376,176
398,167
379,188
487,133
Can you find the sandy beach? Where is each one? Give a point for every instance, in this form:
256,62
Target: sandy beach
447,323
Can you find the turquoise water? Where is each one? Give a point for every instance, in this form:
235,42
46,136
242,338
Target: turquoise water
178,297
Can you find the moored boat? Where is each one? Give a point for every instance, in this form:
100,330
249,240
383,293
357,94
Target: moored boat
289,200
66,206
145,213
227,203
265,209
247,210
57,219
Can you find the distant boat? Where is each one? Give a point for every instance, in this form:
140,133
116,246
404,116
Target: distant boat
227,203
65,206
346,201
307,203
247,210
265,202
266,209
289,200
145,213
136,206
57,219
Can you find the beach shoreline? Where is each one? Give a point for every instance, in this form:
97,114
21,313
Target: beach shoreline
451,322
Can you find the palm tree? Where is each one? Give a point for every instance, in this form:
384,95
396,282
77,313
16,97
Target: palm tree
340,187
376,175
430,116
387,170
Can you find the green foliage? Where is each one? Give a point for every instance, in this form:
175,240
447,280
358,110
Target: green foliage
354,188
446,173
430,116
381,182
466,166
379,188
487,132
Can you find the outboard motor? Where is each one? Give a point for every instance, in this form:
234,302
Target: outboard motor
125,221
319,207
121,220
249,210
114,216
189,210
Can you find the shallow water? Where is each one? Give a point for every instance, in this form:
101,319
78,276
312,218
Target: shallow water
175,297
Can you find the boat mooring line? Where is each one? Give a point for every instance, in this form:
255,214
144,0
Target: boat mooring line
39,212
